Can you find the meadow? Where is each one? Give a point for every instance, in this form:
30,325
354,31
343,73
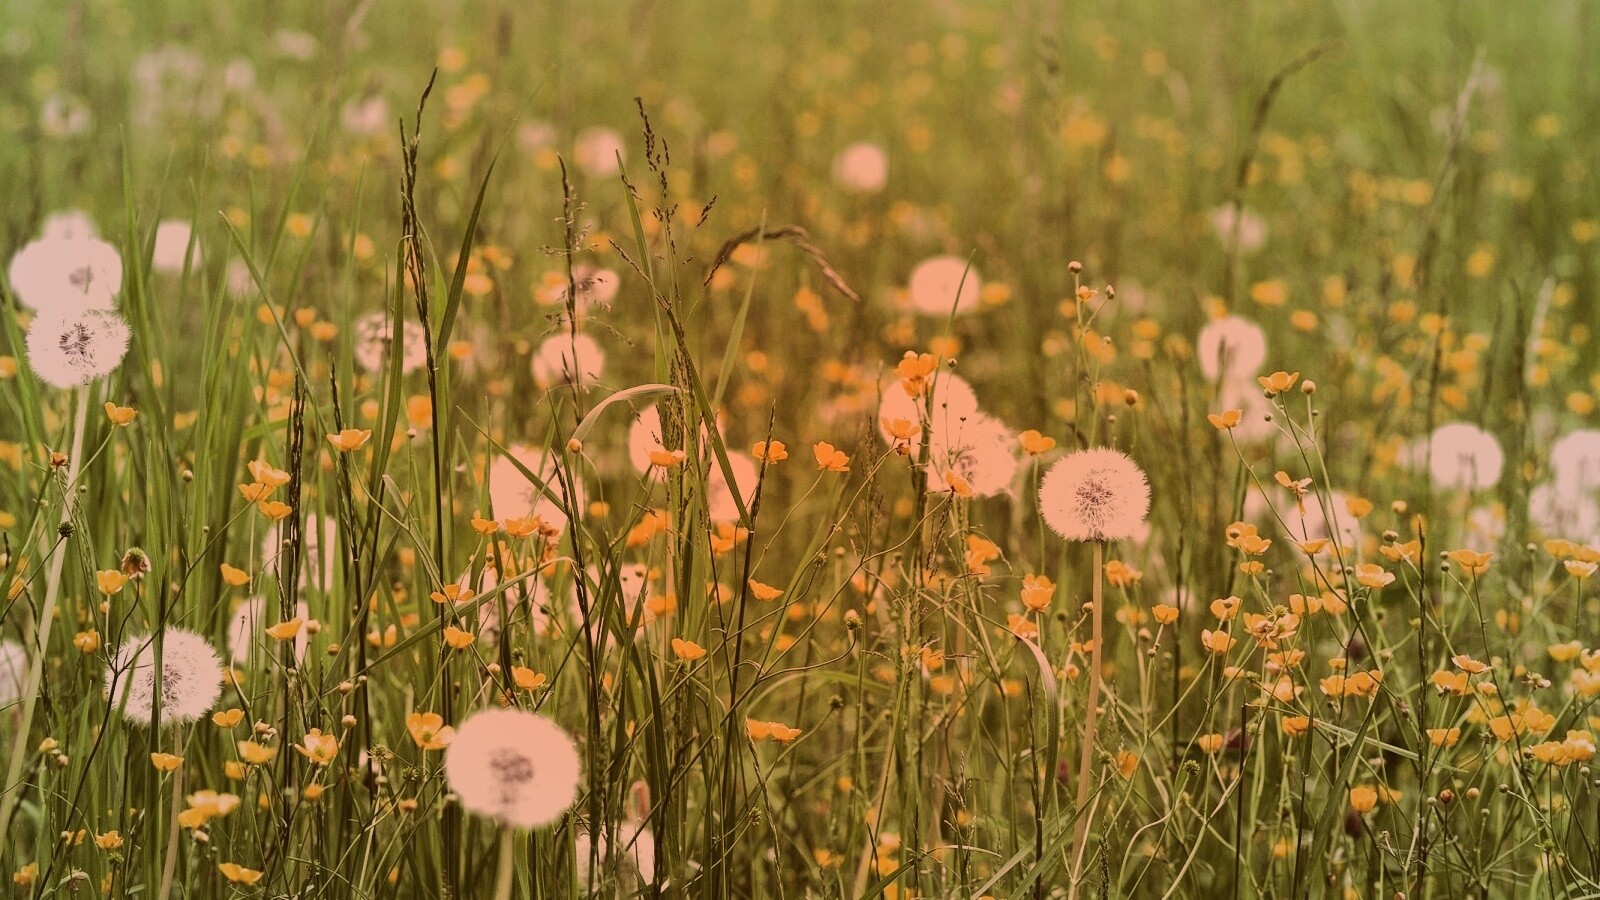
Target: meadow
733,448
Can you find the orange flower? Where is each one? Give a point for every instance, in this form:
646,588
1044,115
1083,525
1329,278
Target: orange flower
1470,561
274,509
452,593
1034,443
120,415
1279,382
318,747
238,874
350,439
687,651
1226,419
764,591
1216,641
263,471
1037,592
770,452
526,678
165,762
830,459
284,631
235,577
1164,614
458,639
1363,799
429,731
1373,576
110,581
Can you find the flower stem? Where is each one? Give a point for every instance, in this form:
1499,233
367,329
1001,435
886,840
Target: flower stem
506,873
1085,811
170,868
52,591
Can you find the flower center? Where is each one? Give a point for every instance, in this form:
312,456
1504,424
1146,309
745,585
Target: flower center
75,341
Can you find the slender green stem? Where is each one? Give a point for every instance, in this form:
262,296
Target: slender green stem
52,593
1091,716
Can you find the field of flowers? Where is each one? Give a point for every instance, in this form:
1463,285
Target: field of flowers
734,448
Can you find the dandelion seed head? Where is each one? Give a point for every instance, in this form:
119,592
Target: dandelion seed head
66,270
862,168
597,150
1563,511
246,627
1462,455
568,359
638,850
1252,228
518,768
720,503
531,590
1094,495
513,496
1575,460
1230,348
942,283
953,401
74,347
173,244
191,677
319,551
374,343
70,225
13,672
980,450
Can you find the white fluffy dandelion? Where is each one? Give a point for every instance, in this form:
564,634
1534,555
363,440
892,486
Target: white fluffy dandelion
69,348
1555,510
633,584
861,168
191,677
518,768
67,269
530,589
174,244
513,496
637,851
953,401
942,283
247,627
597,150
71,225
568,358
592,288
374,343
980,451
1462,455
1230,348
367,116
13,672
1094,495
720,503
1252,229
1575,460
319,551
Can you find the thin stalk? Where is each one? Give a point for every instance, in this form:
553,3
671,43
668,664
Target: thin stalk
170,869
52,592
506,871
1090,722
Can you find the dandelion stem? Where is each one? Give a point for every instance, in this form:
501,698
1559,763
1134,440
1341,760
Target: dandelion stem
506,871
170,868
52,592
1084,811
